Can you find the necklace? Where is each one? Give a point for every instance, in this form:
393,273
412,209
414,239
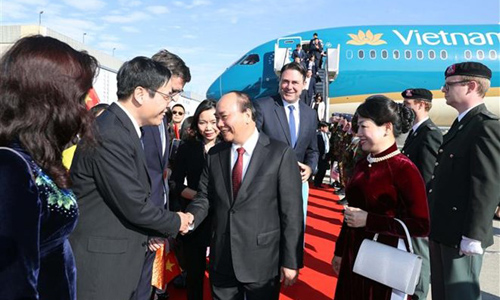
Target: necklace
371,160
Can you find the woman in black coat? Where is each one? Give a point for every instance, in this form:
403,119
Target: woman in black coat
188,167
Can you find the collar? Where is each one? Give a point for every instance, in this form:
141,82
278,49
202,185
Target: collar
286,104
462,115
249,145
134,122
415,127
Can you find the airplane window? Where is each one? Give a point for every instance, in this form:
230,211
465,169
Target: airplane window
250,60
420,54
385,54
444,54
432,54
349,54
395,54
493,55
373,54
361,54
408,54
468,54
480,54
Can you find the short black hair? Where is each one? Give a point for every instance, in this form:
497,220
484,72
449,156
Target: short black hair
140,71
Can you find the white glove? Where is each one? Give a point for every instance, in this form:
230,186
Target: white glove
470,247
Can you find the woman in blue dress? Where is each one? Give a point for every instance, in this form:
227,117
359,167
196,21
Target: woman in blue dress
43,85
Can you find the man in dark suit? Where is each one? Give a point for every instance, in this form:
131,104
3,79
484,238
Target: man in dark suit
324,156
464,191
113,188
309,90
285,118
156,147
299,54
253,186
421,146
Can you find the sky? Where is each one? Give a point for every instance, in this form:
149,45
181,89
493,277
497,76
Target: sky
209,35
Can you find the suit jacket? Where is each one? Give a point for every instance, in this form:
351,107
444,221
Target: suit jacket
113,189
422,148
271,119
156,161
311,90
262,229
300,54
465,192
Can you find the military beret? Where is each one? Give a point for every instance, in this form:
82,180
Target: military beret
423,94
468,69
348,117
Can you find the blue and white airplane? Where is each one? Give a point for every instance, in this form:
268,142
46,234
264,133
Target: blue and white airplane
366,60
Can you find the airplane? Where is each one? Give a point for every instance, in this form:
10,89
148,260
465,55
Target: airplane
366,60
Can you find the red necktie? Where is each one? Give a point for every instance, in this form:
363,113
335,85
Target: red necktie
238,172
176,130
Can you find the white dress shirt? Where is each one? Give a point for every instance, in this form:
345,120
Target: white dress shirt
296,114
134,122
249,147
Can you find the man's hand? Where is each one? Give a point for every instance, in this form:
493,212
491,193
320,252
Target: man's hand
289,276
355,217
186,222
336,264
470,247
155,243
305,171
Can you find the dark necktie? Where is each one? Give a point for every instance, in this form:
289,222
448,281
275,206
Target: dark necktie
291,124
238,172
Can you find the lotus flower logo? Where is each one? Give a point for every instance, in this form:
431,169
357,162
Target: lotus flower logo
367,38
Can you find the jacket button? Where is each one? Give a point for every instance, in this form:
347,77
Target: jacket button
454,208
440,150
436,164
430,191
451,155
432,177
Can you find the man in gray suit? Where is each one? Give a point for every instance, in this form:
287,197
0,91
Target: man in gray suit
285,118
252,185
113,188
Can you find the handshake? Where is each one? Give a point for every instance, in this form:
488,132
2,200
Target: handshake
187,222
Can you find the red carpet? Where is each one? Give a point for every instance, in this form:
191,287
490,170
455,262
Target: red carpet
316,280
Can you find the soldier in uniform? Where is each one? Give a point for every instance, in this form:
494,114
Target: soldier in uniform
421,146
464,191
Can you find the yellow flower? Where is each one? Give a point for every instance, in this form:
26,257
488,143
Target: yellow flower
366,39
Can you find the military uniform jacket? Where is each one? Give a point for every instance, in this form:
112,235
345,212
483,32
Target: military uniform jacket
422,146
465,189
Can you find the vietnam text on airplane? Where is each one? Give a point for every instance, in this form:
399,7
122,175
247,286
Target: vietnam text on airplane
433,38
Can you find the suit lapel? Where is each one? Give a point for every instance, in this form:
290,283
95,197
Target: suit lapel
302,120
258,158
127,123
458,126
281,116
225,165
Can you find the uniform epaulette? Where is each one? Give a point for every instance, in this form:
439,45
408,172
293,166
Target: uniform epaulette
490,115
432,127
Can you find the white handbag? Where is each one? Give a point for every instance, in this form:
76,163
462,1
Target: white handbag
388,265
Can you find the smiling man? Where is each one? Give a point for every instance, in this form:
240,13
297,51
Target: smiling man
285,118
113,188
251,184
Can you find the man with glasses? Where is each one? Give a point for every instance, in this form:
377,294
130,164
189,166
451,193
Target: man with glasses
113,187
157,147
464,191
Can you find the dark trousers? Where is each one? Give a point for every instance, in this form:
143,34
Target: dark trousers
227,287
454,276
323,166
195,269
144,288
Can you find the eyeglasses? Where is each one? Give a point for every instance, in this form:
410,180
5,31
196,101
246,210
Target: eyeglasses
166,97
180,113
447,85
